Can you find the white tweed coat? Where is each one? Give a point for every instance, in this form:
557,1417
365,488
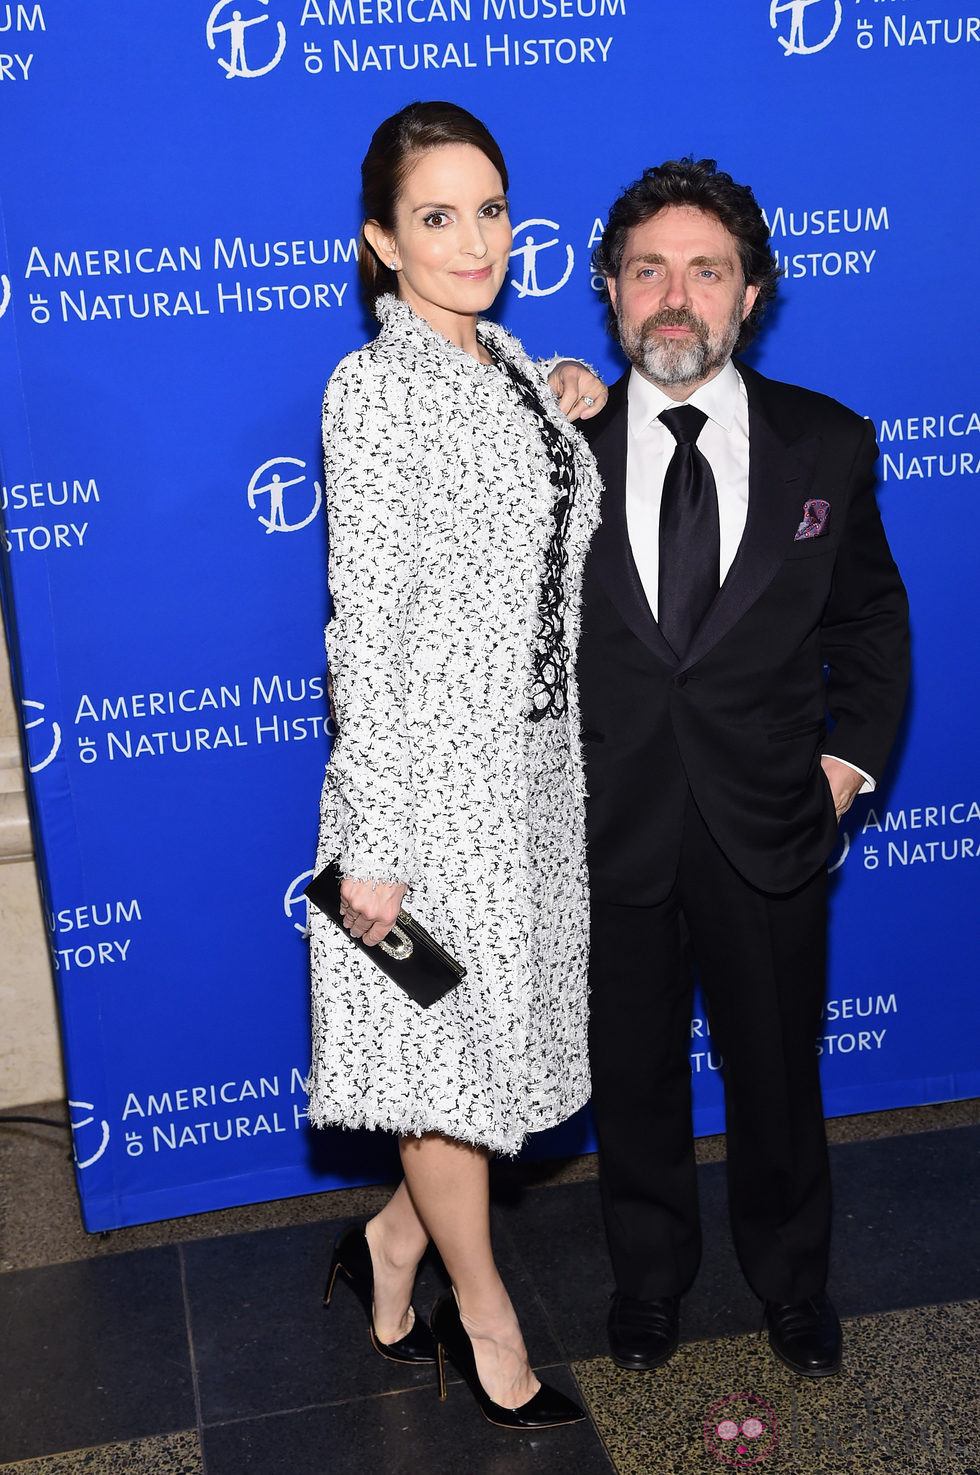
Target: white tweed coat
440,510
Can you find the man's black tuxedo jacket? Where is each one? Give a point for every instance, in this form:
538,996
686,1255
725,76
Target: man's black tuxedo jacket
798,629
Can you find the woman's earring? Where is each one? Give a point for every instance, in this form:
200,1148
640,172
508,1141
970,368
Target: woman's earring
392,265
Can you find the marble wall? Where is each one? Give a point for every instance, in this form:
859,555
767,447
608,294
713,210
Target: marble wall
30,1052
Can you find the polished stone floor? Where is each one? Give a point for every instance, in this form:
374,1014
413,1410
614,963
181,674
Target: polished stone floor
200,1346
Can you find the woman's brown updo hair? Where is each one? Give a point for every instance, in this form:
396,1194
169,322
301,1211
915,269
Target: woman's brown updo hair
417,129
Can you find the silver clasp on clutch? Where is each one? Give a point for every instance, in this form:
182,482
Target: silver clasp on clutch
401,948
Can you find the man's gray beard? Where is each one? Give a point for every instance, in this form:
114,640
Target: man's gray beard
677,361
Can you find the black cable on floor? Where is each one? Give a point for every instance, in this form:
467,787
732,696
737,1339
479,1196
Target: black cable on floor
37,1121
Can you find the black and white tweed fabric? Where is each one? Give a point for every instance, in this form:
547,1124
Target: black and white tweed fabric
450,539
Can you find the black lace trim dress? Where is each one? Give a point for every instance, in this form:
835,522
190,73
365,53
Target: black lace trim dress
549,695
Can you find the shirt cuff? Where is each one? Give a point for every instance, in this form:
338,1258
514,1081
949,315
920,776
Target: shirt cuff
869,785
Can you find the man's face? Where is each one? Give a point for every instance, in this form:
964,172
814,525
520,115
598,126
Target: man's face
680,298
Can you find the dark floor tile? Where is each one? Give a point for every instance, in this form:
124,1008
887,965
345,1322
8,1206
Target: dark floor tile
557,1233
560,1239
720,1303
906,1211
403,1434
264,1343
904,1232
93,1352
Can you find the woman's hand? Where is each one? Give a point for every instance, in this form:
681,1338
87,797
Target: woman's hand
369,908
579,392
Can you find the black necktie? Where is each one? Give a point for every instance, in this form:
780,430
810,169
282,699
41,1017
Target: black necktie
689,543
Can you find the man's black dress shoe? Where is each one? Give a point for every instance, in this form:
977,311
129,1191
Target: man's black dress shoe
643,1334
806,1335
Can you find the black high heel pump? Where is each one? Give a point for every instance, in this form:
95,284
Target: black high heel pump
545,1409
352,1257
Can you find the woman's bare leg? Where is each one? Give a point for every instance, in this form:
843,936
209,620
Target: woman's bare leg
397,1239
448,1183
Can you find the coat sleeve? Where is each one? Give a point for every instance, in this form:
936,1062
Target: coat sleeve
367,809
864,633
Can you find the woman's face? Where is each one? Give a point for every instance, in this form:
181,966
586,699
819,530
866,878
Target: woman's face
452,236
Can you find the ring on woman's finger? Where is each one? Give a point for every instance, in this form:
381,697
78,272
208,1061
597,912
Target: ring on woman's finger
588,400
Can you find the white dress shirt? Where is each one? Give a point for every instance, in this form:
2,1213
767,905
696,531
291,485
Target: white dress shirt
724,443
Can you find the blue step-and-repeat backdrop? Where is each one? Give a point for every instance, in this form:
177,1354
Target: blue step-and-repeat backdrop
177,280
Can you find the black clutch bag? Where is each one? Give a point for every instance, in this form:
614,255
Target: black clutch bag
409,956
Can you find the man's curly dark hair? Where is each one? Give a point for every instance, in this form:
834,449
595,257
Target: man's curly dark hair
697,182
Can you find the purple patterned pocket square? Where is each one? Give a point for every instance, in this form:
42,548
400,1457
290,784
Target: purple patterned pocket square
814,524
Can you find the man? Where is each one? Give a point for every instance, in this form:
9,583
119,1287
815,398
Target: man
739,589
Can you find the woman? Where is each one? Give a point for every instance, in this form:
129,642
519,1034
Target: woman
460,506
